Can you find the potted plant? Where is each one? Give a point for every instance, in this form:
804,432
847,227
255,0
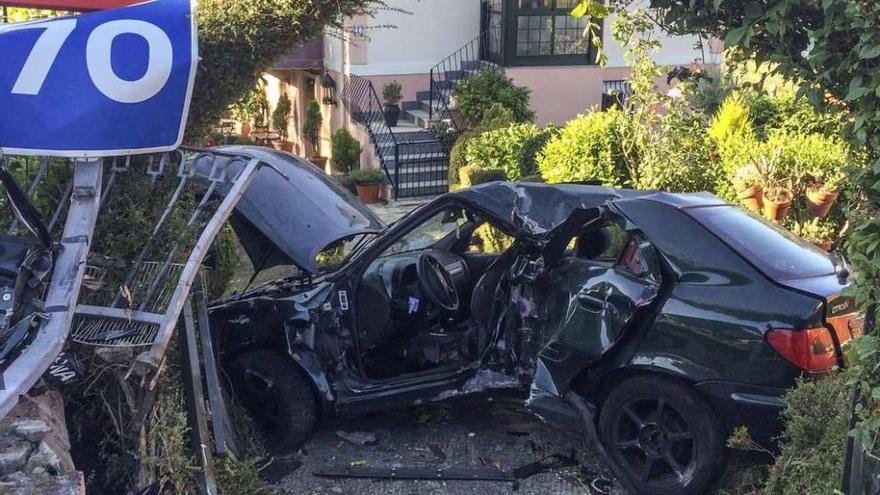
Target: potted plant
368,183
311,129
393,93
280,118
824,191
346,151
747,183
819,233
777,197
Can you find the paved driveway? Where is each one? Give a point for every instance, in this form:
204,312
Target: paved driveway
468,432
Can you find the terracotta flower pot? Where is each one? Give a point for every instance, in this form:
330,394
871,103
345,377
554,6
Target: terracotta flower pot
368,193
820,201
777,202
283,146
752,197
320,162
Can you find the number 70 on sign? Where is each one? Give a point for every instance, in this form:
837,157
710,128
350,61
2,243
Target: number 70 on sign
98,58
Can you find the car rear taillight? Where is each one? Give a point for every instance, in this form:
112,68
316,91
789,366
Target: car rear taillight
810,350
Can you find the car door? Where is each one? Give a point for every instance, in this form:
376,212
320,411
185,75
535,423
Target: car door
590,304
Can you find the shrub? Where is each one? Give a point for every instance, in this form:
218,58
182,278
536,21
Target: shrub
346,151
475,95
458,155
816,424
528,154
587,148
281,115
733,119
532,178
367,176
495,117
471,175
677,156
500,148
312,124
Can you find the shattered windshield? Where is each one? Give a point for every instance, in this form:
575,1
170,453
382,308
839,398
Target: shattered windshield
439,226
339,253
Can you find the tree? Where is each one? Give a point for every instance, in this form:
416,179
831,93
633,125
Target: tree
240,40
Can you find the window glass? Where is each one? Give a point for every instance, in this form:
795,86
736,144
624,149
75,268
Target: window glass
447,222
568,35
488,239
535,4
775,251
533,35
545,27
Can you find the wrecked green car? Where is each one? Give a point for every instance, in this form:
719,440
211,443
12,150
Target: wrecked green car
655,322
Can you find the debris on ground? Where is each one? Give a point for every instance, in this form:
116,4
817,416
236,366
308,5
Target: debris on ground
445,444
358,437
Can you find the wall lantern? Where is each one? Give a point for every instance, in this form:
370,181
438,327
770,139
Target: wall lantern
329,85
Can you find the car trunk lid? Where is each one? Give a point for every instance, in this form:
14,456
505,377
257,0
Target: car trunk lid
840,310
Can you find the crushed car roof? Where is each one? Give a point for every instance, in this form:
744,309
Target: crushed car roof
293,219
536,209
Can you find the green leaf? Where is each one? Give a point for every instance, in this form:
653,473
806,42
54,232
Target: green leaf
856,90
870,51
580,9
735,36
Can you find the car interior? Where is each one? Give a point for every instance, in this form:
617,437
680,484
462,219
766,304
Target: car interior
426,301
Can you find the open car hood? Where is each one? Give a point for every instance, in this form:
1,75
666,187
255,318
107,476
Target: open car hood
290,214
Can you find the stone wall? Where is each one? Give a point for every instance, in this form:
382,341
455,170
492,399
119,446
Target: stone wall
35,449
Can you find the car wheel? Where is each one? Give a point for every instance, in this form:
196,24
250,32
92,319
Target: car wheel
662,436
278,397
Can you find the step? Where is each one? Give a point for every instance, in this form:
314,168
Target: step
420,157
421,118
415,143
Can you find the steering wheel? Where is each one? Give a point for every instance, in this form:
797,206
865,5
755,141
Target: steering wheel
436,282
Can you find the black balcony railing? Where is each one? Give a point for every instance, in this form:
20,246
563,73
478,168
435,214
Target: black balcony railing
478,54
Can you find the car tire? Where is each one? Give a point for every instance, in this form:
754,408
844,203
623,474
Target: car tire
662,436
277,395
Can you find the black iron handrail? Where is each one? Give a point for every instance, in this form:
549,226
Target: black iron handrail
416,158
453,68
363,104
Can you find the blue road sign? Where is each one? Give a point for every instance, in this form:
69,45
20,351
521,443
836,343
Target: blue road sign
101,84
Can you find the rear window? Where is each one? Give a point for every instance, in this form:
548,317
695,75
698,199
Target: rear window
775,251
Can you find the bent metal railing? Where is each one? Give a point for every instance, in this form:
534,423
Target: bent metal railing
155,291
413,166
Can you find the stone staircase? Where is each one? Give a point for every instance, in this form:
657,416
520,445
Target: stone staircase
414,158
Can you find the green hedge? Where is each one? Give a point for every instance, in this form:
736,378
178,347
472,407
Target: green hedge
528,154
473,175
496,117
679,156
500,149
586,148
